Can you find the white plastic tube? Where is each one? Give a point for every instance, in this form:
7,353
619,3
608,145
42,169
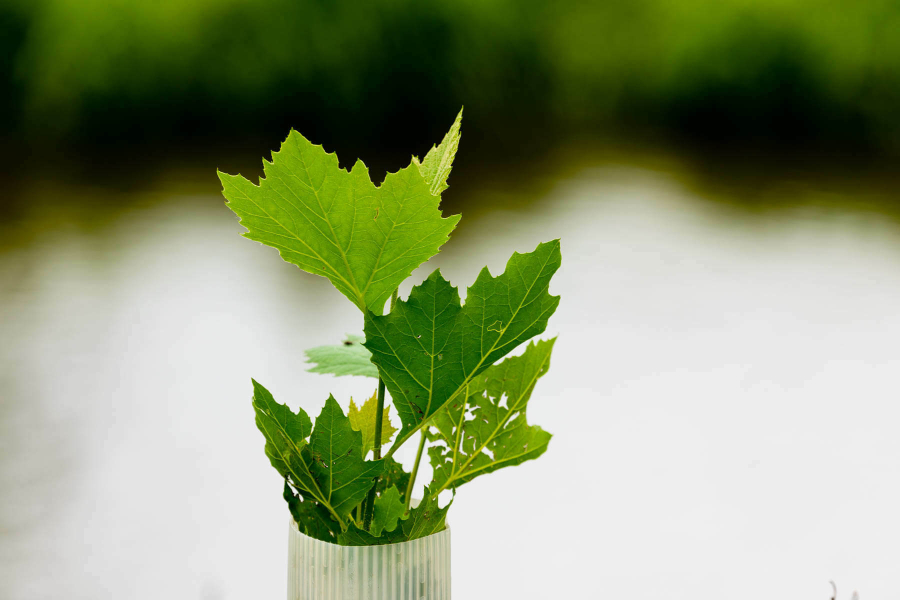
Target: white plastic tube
416,570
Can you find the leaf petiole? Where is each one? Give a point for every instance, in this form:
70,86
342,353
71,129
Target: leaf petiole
415,471
369,504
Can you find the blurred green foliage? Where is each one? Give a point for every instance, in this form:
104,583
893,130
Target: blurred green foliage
811,71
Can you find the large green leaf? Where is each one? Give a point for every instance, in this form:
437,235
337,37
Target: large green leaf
482,435
365,239
348,358
430,347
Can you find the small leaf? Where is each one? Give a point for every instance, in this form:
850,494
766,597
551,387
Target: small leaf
439,160
336,461
363,421
394,475
425,519
285,431
356,536
348,358
311,517
388,510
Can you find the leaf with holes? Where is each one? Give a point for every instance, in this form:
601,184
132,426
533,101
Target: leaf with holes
430,347
486,429
365,239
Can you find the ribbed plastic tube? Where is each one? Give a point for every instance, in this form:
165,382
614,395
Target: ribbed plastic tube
416,570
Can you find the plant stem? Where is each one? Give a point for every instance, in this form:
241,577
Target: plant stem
415,471
369,505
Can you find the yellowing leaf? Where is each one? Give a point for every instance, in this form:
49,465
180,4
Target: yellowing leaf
363,420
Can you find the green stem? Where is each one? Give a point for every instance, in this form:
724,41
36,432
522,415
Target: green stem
369,504
415,471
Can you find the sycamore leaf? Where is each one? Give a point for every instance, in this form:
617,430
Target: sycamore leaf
363,420
327,469
285,434
439,160
394,475
336,460
426,518
312,518
336,223
388,510
423,520
487,429
430,347
349,358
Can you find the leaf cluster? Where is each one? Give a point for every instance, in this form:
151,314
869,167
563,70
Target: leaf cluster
444,363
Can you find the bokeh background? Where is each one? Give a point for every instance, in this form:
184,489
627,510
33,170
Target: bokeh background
723,176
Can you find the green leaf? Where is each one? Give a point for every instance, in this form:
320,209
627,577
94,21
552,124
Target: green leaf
349,358
480,433
430,347
356,536
388,510
423,520
439,160
426,518
336,223
312,518
329,468
336,460
285,433
394,475
363,421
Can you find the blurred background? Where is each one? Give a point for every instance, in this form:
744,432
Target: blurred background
723,176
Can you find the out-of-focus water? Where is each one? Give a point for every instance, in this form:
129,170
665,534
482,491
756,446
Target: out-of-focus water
724,395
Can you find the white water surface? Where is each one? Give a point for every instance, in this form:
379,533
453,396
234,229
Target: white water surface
724,399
